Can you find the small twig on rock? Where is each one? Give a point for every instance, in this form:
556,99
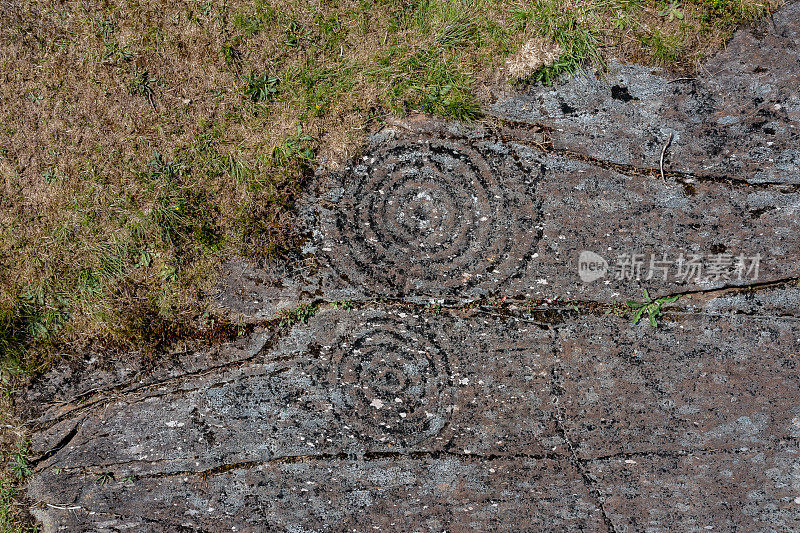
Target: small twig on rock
65,507
664,151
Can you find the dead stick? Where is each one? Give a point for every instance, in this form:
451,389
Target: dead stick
661,162
65,507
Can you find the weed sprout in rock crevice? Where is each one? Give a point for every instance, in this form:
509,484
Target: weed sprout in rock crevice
649,307
300,315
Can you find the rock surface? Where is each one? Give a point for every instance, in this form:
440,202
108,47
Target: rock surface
739,120
465,368
451,420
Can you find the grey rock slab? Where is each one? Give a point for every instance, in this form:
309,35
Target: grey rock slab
766,303
448,420
350,382
521,231
486,213
79,381
256,293
742,490
648,232
738,119
697,383
426,215
414,495
491,415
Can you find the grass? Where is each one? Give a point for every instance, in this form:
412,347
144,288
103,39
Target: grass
261,88
142,143
14,463
649,308
299,315
11,520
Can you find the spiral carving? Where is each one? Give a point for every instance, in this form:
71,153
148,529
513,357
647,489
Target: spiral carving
391,384
432,216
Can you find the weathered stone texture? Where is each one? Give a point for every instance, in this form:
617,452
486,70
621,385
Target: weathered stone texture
738,119
448,421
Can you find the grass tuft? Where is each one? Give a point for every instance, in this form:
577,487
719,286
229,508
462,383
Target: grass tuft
666,48
259,18
261,87
27,319
575,29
